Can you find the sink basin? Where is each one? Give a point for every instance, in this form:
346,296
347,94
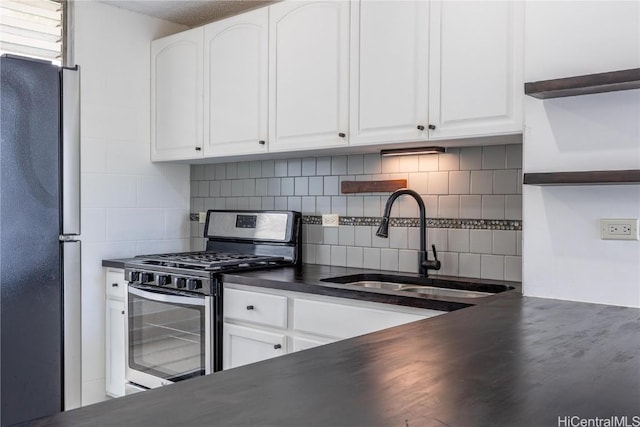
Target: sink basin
423,285
444,292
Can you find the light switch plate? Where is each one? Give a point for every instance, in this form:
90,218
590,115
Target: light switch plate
619,228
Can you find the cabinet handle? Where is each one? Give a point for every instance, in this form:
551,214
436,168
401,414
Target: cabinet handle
114,285
262,142
341,135
250,307
420,127
122,312
277,346
432,127
198,148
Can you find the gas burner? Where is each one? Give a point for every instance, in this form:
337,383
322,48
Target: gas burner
213,261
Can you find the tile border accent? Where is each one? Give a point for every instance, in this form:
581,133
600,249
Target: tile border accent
475,224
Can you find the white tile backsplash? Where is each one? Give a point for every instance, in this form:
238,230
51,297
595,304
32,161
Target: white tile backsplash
480,241
339,165
355,206
466,183
493,207
492,267
504,242
438,183
354,257
449,161
481,182
449,207
458,240
493,157
469,265
471,158
389,259
459,182
371,258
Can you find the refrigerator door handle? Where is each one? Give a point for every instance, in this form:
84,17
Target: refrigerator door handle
72,350
70,151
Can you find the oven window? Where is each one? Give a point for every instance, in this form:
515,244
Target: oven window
166,339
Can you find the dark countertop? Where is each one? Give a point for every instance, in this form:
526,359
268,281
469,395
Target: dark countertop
308,279
514,361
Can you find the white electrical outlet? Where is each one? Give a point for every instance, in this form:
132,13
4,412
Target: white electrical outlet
330,220
619,229
202,217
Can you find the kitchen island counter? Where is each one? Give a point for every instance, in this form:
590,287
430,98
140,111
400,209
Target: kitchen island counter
513,361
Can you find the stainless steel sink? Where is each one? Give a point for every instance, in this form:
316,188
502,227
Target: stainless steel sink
423,285
444,292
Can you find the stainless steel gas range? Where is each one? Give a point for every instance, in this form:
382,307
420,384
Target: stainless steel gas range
174,301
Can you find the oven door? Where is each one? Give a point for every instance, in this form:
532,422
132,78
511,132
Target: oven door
169,335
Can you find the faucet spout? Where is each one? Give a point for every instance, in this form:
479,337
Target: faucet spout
424,265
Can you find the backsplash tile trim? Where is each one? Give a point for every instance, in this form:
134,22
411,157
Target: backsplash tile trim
474,224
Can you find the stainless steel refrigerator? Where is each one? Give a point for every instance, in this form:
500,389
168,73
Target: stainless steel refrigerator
40,354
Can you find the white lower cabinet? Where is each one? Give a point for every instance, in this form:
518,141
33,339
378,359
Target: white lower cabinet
263,323
243,345
116,288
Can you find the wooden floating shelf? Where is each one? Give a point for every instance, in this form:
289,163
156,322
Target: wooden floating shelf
610,177
372,186
584,85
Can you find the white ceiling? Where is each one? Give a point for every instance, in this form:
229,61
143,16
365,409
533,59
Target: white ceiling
191,13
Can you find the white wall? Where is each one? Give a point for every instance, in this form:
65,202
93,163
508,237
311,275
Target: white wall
563,255
129,205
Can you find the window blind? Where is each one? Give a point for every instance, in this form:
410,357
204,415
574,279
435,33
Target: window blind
32,28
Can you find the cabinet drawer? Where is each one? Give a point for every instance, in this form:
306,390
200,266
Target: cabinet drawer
344,321
116,286
255,307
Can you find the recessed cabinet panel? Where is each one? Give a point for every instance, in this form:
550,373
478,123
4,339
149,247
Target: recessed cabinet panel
115,351
475,68
389,71
235,70
243,346
308,75
176,96
346,321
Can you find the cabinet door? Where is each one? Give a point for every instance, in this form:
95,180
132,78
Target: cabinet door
308,75
326,318
115,351
236,85
305,343
243,346
176,96
389,71
476,63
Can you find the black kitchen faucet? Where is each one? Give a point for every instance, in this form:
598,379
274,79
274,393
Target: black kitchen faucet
424,264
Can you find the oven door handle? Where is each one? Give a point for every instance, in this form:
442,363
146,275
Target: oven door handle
161,296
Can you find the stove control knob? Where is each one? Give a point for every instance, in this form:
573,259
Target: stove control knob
193,284
146,277
181,282
163,280
134,276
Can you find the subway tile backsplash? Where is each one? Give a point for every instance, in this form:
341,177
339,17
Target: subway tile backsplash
473,197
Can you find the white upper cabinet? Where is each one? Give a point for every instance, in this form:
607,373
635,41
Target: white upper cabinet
176,96
476,63
308,75
389,71
236,85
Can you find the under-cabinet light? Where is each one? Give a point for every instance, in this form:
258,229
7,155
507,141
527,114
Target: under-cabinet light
412,151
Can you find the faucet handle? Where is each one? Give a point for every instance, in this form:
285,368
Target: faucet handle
435,254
